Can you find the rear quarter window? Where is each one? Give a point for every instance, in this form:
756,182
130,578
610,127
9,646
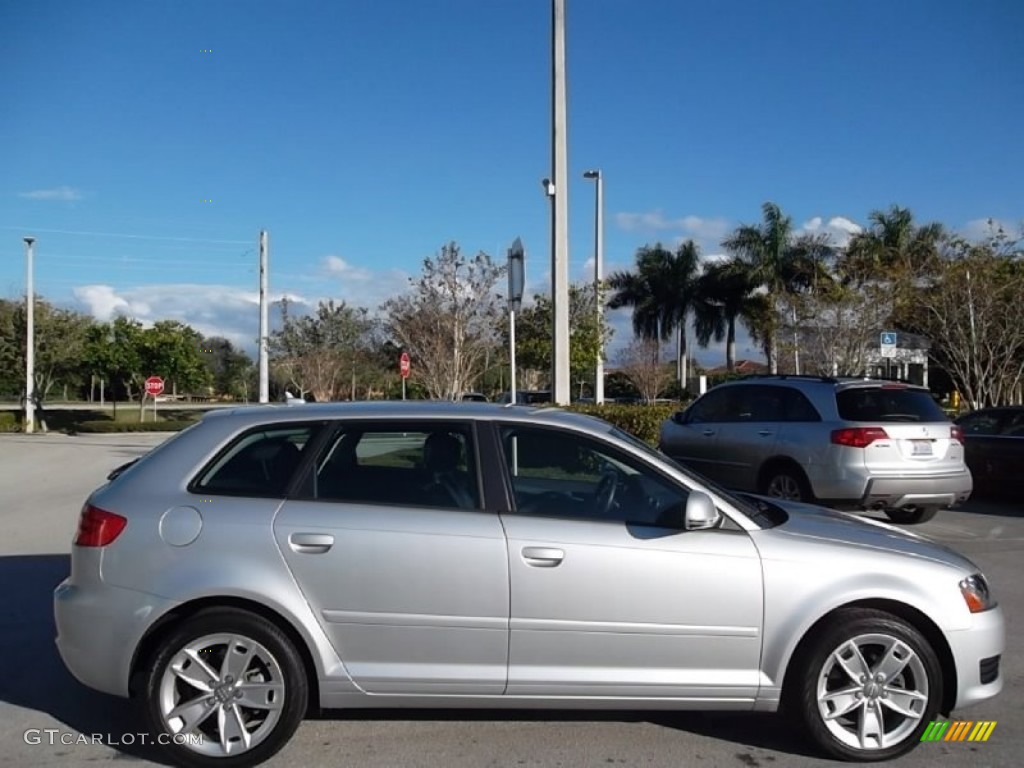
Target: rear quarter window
887,405
258,463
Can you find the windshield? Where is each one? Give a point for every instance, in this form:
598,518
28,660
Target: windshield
751,507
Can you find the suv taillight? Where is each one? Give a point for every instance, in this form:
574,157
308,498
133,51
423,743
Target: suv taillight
956,434
858,437
97,527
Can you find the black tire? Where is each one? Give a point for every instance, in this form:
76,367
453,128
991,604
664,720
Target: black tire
872,630
275,657
782,477
912,515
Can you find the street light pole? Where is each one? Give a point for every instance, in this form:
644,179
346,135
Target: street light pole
30,341
264,367
598,277
559,190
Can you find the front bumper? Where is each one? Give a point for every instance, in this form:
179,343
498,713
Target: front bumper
974,650
98,629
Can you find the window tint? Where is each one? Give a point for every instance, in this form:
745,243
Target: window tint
1015,425
259,463
420,466
798,407
887,405
763,404
716,405
559,474
980,423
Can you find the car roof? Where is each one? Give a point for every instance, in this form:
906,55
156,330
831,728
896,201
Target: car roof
440,410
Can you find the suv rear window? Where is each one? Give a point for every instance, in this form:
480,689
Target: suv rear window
259,463
887,405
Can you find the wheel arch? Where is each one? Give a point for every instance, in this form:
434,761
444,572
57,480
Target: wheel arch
778,462
147,646
916,618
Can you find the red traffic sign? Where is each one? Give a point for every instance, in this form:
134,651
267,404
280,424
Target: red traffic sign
403,365
154,385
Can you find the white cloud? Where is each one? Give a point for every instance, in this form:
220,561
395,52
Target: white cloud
66,194
696,227
839,229
336,266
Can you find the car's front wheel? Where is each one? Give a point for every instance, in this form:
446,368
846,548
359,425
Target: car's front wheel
867,687
225,688
911,515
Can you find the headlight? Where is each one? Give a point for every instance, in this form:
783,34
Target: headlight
976,595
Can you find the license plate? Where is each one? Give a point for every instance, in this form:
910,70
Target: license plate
921,447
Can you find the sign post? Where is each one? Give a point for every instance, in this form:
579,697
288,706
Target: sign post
404,367
154,386
516,282
887,348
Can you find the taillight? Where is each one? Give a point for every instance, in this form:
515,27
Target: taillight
858,437
97,527
956,434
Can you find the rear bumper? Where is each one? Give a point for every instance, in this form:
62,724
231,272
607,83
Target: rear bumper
938,490
98,629
975,653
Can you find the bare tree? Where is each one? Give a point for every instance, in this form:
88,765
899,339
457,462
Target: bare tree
971,313
640,363
321,353
448,321
836,327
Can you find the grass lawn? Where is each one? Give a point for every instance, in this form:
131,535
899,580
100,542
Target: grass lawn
68,419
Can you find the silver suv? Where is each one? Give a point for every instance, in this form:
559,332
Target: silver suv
849,443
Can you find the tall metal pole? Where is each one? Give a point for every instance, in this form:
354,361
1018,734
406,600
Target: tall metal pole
264,323
560,214
30,341
512,356
598,276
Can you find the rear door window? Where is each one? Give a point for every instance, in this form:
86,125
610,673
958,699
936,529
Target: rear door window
407,465
891,405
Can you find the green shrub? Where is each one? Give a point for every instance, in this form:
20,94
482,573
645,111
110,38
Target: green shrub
641,421
9,422
132,426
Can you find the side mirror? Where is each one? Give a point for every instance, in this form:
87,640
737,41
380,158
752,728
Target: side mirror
679,417
700,512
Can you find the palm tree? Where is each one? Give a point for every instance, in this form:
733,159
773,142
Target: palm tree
893,244
775,260
725,293
661,293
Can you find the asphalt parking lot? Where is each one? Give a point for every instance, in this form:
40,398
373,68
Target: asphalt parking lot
45,478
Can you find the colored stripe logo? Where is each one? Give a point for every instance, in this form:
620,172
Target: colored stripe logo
958,730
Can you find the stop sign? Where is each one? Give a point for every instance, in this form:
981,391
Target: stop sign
154,385
403,365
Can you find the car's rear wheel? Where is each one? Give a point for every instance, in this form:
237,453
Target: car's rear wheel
912,515
786,483
226,688
868,687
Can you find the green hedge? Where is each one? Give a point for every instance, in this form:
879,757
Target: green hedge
9,422
133,426
642,421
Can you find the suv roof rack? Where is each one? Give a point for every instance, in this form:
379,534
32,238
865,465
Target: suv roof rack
799,376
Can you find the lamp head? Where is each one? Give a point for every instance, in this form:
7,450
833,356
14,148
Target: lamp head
592,174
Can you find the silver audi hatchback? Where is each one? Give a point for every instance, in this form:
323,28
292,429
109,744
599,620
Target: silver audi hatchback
270,561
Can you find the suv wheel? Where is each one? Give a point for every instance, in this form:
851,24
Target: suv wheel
870,685
912,515
784,483
225,688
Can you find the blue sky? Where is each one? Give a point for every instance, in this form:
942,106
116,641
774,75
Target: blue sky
363,134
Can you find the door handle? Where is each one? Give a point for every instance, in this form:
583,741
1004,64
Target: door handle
765,432
543,557
311,543
708,432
